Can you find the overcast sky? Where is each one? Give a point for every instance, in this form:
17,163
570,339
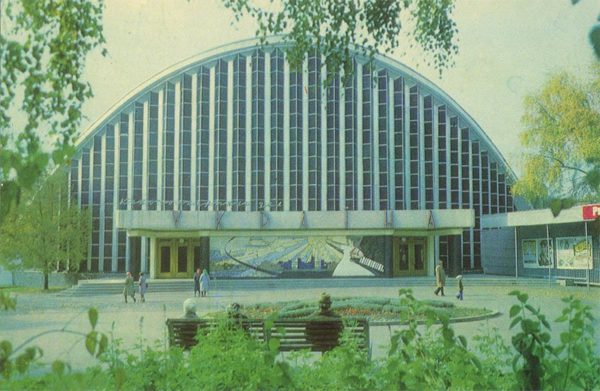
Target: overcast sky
507,48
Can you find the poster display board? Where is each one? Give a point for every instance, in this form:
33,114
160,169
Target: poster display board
537,253
574,252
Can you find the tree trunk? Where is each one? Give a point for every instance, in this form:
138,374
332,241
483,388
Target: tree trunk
45,281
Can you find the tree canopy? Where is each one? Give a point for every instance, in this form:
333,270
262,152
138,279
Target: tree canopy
370,26
46,232
43,47
561,133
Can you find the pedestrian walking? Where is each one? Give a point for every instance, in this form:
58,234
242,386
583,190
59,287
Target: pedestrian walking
204,282
440,278
197,282
129,289
459,295
143,284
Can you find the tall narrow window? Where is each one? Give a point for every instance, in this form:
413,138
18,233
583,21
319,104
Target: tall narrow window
276,145
382,147
168,146
138,144
428,149
399,142
109,189
185,143
239,134
202,123
220,189
367,137
258,131
333,146
314,131
296,140
414,147
153,151
350,140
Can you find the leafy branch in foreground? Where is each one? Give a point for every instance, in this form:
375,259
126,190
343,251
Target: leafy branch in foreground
43,47
11,360
333,27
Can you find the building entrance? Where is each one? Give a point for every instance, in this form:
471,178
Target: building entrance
179,258
410,257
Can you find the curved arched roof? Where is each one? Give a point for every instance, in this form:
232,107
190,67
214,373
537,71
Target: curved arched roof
242,46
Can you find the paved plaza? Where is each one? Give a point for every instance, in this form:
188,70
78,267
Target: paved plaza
38,313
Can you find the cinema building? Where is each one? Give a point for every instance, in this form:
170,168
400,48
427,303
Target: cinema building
236,161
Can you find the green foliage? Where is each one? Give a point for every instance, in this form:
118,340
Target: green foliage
572,364
11,360
7,301
577,366
495,358
334,27
419,357
561,130
43,47
47,232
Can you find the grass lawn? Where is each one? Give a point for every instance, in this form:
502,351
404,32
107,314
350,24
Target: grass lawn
29,289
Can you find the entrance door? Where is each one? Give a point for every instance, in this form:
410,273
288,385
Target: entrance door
410,257
176,259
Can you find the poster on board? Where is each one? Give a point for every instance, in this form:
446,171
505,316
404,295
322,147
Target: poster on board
529,253
574,252
538,253
545,253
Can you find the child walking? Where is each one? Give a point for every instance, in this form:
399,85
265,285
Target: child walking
459,295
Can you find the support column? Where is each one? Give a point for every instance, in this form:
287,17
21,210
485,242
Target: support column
177,148
211,140
286,135
359,138
194,155
143,254
516,255
153,259
229,156
305,88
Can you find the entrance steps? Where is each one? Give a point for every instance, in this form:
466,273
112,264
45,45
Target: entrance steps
115,286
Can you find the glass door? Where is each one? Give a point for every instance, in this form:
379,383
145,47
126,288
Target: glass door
410,258
176,258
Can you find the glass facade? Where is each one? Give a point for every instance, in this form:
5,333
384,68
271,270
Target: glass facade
374,140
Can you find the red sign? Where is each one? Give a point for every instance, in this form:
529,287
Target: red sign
591,212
